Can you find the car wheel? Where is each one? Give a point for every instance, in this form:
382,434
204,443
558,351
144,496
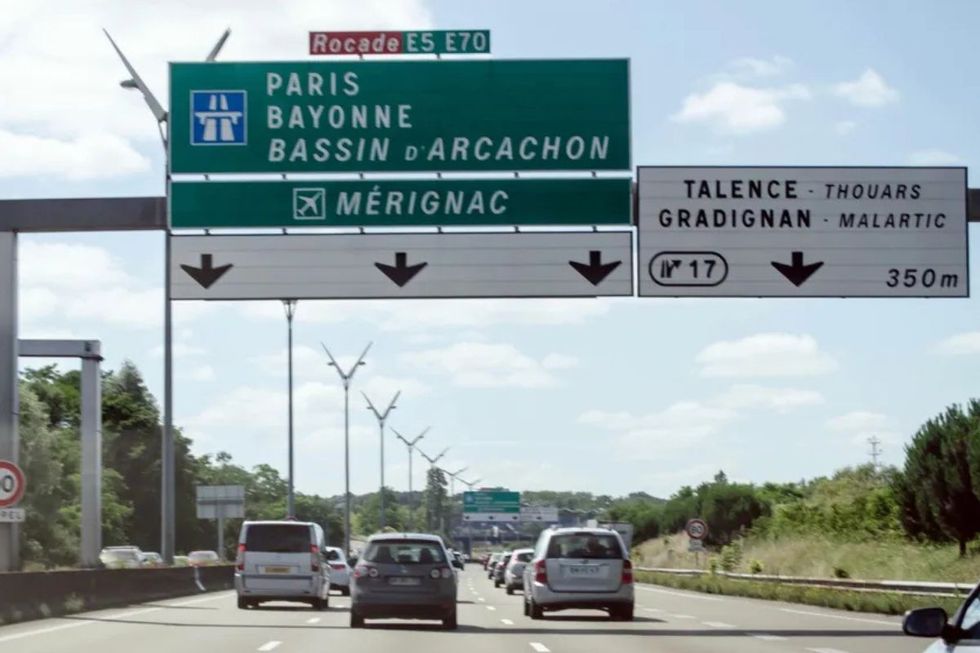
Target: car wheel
496,583
242,603
450,623
535,611
527,611
510,591
345,591
356,620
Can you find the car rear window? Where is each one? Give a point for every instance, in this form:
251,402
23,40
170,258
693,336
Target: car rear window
585,546
523,557
404,552
278,538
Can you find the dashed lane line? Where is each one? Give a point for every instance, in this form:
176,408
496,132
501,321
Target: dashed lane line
825,650
314,620
490,607
507,622
269,646
877,622
768,638
716,624
686,595
540,648
680,616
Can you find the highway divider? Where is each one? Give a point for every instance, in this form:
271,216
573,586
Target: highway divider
830,593
38,595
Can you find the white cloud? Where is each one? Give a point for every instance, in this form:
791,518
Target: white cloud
89,156
484,365
180,350
781,400
862,425
733,108
201,373
962,344
754,67
845,127
933,157
765,354
62,105
868,90
429,315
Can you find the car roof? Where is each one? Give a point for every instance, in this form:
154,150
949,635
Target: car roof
277,522
571,530
428,537
528,550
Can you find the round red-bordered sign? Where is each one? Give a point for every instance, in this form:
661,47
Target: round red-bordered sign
696,529
12,484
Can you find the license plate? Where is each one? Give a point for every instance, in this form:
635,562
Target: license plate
585,570
404,581
277,570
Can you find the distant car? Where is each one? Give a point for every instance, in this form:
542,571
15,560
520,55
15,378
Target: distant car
282,561
404,576
182,561
514,569
339,570
151,559
203,558
121,557
499,567
492,563
579,568
957,634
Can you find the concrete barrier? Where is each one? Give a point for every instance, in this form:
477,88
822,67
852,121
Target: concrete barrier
38,595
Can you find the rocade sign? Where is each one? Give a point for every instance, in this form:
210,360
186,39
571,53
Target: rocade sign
399,116
428,42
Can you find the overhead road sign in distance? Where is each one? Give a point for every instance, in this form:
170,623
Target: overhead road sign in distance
12,484
404,116
539,514
433,265
225,501
494,505
802,232
443,41
445,202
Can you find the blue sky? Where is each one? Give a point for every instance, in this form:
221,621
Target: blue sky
604,395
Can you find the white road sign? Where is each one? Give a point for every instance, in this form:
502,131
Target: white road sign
539,513
12,515
802,232
335,266
224,501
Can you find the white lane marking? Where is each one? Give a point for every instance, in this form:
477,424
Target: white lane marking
180,604
654,610
680,616
877,622
490,607
717,624
482,600
270,646
540,648
314,620
684,594
825,650
768,638
507,622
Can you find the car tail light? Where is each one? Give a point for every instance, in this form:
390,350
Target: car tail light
360,572
446,572
314,557
627,572
541,572
239,559
338,566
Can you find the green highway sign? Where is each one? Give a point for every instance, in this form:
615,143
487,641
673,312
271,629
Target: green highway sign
399,116
464,202
492,502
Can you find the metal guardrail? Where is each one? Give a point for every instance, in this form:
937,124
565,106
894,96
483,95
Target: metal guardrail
898,586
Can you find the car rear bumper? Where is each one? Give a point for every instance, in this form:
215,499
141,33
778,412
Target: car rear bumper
402,606
550,599
263,586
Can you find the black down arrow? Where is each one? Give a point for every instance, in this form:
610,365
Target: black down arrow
401,273
796,272
596,271
207,274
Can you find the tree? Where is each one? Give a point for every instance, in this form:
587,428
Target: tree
936,487
368,522
435,500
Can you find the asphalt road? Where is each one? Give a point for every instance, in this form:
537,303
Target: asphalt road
667,621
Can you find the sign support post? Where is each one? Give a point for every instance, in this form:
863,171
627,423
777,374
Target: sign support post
9,441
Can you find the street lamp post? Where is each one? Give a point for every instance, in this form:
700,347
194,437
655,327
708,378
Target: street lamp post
410,444
382,416
345,378
290,307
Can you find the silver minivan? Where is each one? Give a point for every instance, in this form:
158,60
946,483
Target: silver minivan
282,561
575,568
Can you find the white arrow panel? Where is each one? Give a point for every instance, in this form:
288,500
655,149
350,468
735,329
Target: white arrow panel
458,265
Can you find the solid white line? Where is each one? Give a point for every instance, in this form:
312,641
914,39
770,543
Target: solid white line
825,650
717,624
507,622
684,594
269,646
653,609
314,620
680,616
768,638
490,607
877,622
540,648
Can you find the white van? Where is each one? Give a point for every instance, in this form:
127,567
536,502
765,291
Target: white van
282,561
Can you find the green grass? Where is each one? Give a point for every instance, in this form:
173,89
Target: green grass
875,602
819,557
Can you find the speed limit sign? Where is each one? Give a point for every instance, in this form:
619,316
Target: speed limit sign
11,484
697,529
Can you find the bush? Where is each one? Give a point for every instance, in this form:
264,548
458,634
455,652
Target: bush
731,557
755,567
840,572
713,565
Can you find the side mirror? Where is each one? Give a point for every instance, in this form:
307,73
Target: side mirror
925,622
457,564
